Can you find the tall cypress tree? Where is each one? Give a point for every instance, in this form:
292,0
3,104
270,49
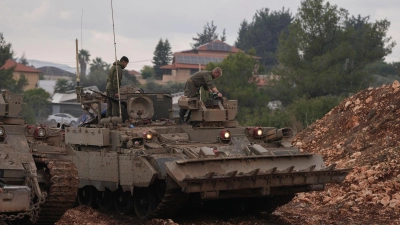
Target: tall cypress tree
158,59
167,53
162,56
244,26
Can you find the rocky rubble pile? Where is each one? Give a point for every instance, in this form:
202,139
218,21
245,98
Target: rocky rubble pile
362,132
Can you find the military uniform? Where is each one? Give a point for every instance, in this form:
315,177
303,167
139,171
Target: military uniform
197,80
193,85
112,89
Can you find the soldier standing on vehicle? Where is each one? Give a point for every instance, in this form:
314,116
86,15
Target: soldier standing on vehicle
112,86
197,80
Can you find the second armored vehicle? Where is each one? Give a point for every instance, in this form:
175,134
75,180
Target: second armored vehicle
34,186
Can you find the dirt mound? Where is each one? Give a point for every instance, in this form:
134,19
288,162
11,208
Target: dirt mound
84,215
362,132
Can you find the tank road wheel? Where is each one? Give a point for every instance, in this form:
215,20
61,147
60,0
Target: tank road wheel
158,201
105,199
144,202
123,202
87,196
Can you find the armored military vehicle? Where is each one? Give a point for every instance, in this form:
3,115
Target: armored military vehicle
144,162
35,187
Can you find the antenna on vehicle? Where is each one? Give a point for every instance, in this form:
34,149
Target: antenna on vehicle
78,89
77,67
81,30
116,62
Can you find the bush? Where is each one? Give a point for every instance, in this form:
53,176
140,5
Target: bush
307,111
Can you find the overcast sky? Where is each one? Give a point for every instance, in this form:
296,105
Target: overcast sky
46,29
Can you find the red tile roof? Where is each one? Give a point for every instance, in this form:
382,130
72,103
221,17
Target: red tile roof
19,67
214,49
217,55
182,66
204,46
134,72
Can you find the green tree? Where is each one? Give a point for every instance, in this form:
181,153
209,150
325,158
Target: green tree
28,114
6,75
83,58
38,100
128,79
167,53
307,111
62,86
325,52
262,34
98,64
382,68
96,78
209,34
98,74
241,40
6,51
23,60
147,72
223,36
234,84
18,86
162,56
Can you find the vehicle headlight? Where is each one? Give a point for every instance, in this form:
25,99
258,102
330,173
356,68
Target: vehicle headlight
41,132
2,131
257,132
225,135
149,135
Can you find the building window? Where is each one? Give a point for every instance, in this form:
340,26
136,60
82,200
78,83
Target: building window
167,72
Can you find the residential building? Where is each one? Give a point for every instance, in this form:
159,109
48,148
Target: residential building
47,85
30,73
54,73
67,102
186,63
135,73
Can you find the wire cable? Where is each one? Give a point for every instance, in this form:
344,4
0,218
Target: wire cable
116,62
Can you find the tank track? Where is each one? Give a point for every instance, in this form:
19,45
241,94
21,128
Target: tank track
170,204
62,190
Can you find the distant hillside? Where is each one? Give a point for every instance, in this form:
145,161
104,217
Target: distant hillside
38,63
